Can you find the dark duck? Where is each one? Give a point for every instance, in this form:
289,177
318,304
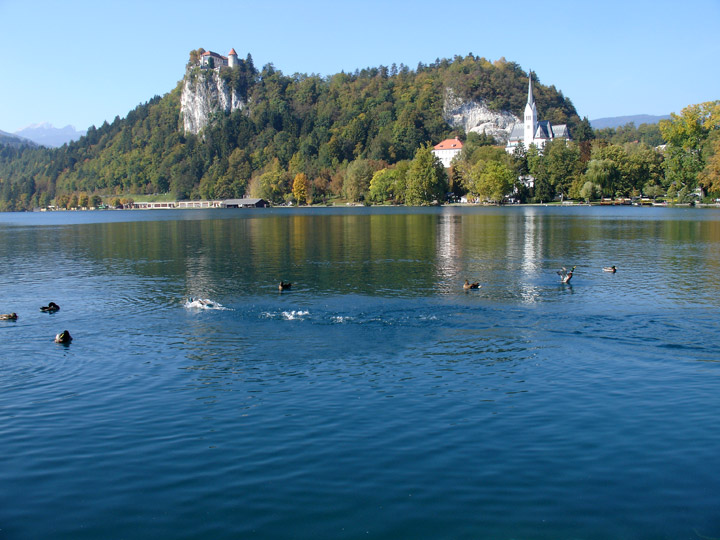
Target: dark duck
52,307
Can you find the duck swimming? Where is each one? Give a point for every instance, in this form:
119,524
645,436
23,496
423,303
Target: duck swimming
52,307
467,285
284,285
610,269
566,276
63,337
8,317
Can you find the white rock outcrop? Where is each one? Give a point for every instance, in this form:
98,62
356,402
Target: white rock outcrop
204,94
476,117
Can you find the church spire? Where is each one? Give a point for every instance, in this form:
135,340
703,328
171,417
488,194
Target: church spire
530,116
531,99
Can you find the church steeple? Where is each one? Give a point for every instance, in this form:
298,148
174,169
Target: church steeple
530,121
531,131
531,98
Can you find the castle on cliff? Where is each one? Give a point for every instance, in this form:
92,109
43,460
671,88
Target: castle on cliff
532,131
210,59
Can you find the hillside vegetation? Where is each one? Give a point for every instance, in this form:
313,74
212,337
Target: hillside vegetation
365,136
292,124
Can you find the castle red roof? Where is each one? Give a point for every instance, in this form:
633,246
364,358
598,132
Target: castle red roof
449,144
216,55
232,52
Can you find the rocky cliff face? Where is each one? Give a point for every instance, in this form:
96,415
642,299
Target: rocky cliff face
475,116
204,94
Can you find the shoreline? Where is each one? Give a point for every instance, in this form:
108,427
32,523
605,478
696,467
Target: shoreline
564,204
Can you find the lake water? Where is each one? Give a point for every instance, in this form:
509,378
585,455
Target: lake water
377,398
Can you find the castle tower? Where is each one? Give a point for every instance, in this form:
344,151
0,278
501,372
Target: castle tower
530,116
232,58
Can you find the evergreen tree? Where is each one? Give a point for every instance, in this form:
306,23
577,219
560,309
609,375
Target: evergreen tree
584,131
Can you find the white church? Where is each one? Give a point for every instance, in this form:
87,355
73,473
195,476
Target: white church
532,131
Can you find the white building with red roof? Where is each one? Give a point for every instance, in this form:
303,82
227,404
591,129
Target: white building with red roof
447,150
232,58
214,60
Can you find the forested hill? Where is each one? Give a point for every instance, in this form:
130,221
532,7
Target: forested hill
289,124
8,139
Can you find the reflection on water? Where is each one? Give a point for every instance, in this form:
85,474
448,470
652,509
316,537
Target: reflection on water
449,251
377,397
511,250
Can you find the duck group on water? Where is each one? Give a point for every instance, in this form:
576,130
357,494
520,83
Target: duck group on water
52,307
65,337
565,276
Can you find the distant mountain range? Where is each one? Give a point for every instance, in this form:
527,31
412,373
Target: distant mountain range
47,135
617,121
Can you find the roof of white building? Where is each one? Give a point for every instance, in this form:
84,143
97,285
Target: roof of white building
544,130
561,130
214,54
449,144
518,132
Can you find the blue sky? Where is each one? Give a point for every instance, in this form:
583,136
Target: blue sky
83,62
